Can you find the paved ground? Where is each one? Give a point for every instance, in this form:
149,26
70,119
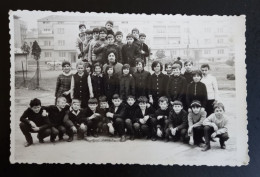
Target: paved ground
101,150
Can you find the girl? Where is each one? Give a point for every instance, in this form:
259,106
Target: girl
126,83
88,68
97,80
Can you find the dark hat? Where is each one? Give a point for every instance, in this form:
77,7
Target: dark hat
65,63
195,103
130,35
142,35
119,33
176,102
110,22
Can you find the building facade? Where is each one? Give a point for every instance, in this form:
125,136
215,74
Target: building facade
20,28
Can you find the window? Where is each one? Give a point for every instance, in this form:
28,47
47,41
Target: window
220,51
60,30
47,54
207,51
62,54
159,29
207,30
220,30
46,30
47,43
173,29
172,40
220,41
61,42
207,41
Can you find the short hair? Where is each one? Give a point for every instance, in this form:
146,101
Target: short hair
187,62
178,62
195,103
155,63
167,64
135,29
178,58
103,29
102,98
110,22
35,102
205,66
81,25
92,101
177,102
139,60
218,105
142,99
175,66
125,66
89,31
95,30
80,63
88,65
163,99
110,36
118,33
196,72
130,36
142,35
116,96
130,96
65,63
96,65
61,98
74,100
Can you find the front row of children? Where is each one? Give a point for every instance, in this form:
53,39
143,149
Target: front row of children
136,118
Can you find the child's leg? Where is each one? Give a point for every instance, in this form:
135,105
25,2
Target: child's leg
152,123
184,135
61,130
136,128
198,133
129,127
207,134
54,133
145,130
222,138
43,134
26,131
119,126
81,131
209,107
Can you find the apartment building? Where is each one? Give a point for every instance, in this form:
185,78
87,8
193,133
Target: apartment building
20,28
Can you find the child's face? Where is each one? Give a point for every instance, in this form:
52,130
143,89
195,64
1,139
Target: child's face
188,67
110,71
80,69
111,58
111,40
61,103
82,29
116,102
168,69
142,39
177,108
130,40
195,109
119,38
139,66
109,26
66,68
95,35
176,72
103,104
219,112
157,68
163,105
88,69
126,71
205,71
142,105
92,107
196,78
98,69
89,35
76,106
36,109
136,34
130,101
102,35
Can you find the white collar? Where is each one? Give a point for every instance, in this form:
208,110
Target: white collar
66,74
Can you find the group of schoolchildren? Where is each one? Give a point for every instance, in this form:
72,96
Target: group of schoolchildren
112,94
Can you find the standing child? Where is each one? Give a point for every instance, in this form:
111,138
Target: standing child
34,120
195,121
188,71
211,86
81,85
116,114
126,83
97,80
63,82
144,47
135,33
112,61
178,123
88,68
109,27
216,126
92,43
81,42
118,41
89,37
111,46
74,121
99,46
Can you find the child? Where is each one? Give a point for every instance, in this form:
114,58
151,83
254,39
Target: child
196,90
63,82
177,85
99,46
81,42
195,121
109,27
144,47
111,46
74,119
89,37
81,85
116,114
211,86
88,68
118,41
161,115
188,71
111,83
131,107
141,79
126,83
34,120
130,52
97,80
112,61
144,120
216,126
168,69
178,123
92,43
156,84
135,33
56,115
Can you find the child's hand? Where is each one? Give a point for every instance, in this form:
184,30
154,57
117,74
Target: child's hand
151,100
111,129
66,93
159,117
74,130
159,132
213,135
142,52
215,127
82,126
146,118
148,105
190,130
202,109
33,125
189,110
173,131
36,129
44,113
91,95
142,121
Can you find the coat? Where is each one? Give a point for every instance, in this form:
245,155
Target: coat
126,86
196,91
141,83
129,54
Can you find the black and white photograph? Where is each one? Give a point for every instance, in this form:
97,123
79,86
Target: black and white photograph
99,88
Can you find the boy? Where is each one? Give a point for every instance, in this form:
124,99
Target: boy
168,69
89,37
135,33
141,79
34,120
177,85
109,27
99,47
116,114
161,116
144,47
144,120
196,90
130,52
118,41
81,42
56,115
92,43
111,46
126,83
195,121
216,126
188,71
73,121
130,109
211,86
97,80
178,123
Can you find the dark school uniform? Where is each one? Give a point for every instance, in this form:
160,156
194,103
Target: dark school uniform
145,48
63,85
118,118
111,86
120,45
129,117
162,123
98,84
196,91
104,120
98,51
126,86
141,83
130,53
92,124
176,88
188,76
